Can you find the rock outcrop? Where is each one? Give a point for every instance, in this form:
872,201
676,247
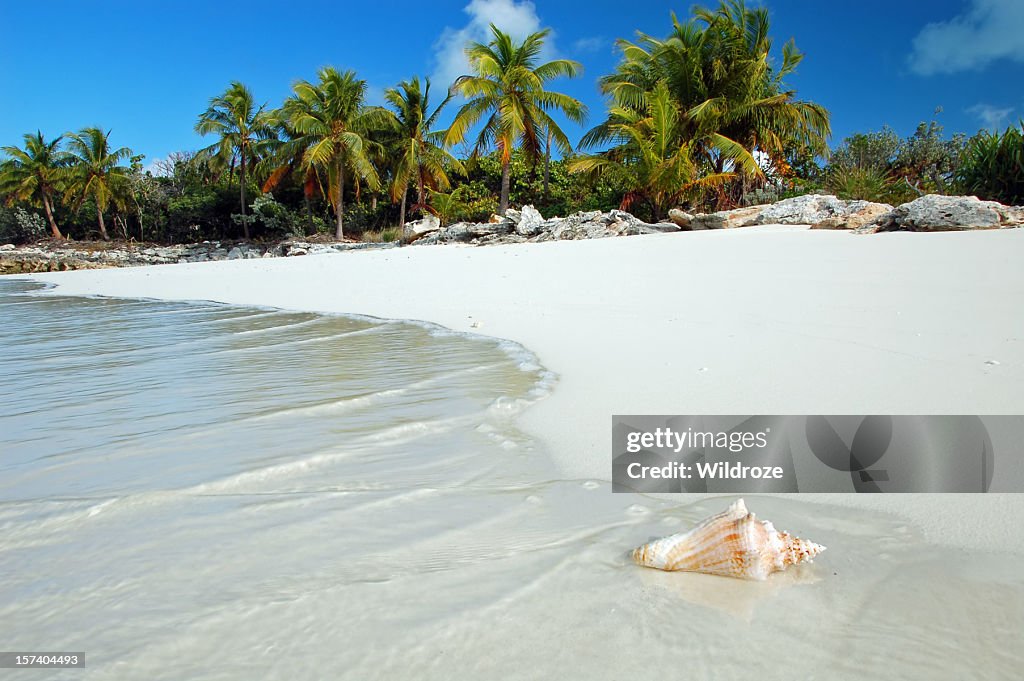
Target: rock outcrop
823,211
820,211
727,219
425,225
937,213
680,218
528,225
71,256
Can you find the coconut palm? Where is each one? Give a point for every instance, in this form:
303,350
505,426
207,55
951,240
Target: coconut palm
717,68
421,158
245,134
764,114
330,125
656,168
507,90
95,171
34,173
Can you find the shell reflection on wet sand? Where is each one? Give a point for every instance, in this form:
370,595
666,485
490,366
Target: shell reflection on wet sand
733,543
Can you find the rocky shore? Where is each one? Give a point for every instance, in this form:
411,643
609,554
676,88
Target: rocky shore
528,225
927,214
931,213
62,256
818,211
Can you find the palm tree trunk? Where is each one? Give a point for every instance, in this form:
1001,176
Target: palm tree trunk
421,194
401,213
309,213
241,176
401,219
505,182
655,211
547,165
307,194
49,216
339,206
103,226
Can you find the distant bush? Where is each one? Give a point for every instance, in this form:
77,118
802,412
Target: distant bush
868,183
20,226
992,166
274,220
881,166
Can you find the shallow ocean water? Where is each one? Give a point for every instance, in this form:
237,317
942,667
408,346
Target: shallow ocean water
203,491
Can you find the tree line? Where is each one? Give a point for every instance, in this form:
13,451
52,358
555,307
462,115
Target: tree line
702,118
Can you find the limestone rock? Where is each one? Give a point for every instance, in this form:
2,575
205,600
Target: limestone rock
530,221
680,218
823,211
802,210
493,228
860,214
727,219
936,213
425,225
663,227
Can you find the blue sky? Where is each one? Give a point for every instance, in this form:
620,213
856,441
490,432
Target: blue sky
146,70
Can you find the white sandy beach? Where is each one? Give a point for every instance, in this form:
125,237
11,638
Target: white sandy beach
444,559
769,320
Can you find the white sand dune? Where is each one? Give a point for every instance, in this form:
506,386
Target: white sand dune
768,320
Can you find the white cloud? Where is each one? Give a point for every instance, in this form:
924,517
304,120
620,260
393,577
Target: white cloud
518,19
992,117
988,31
588,44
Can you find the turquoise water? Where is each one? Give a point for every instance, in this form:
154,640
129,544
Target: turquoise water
197,491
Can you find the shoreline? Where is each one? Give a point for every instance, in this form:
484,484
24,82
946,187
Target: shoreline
770,320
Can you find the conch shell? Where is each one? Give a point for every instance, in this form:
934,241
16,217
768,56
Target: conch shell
732,543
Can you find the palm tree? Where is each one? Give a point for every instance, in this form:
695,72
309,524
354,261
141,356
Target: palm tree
657,169
330,126
96,171
717,68
34,173
245,131
507,87
420,156
446,206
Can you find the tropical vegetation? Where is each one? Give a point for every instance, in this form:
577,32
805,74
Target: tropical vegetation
506,90
992,166
710,93
96,172
702,118
245,133
34,174
421,158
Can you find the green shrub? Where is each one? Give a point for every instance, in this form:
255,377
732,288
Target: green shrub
868,183
19,225
275,219
992,166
